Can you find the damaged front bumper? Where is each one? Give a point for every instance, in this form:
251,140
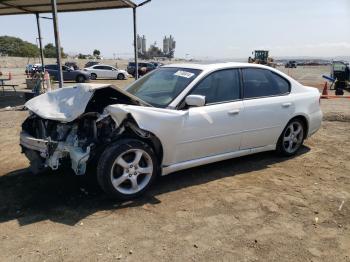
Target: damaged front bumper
43,153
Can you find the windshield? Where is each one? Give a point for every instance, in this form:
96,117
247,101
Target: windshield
163,85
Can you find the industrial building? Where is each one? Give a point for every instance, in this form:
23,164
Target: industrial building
169,45
141,44
168,51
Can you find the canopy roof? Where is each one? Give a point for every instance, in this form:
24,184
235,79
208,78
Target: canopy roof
16,7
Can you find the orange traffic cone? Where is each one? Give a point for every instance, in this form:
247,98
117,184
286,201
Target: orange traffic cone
325,91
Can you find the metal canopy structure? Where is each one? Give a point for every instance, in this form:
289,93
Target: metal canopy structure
17,7
36,7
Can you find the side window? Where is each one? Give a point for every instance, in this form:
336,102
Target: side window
108,68
98,67
220,86
262,82
283,84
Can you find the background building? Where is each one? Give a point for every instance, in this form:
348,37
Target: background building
153,51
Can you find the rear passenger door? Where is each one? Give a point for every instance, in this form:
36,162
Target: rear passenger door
268,106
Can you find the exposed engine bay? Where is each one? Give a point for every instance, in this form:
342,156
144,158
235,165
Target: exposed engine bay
51,143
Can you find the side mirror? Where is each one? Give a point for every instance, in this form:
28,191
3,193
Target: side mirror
195,100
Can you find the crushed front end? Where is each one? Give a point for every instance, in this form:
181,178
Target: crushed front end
78,133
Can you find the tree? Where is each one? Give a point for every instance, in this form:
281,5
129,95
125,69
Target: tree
50,51
14,46
96,53
82,56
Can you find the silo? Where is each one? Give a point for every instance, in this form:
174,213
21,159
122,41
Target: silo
165,45
143,44
139,44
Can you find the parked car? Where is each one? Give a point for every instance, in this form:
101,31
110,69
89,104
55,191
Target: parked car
291,64
32,68
174,118
79,76
143,68
72,65
91,63
157,64
106,71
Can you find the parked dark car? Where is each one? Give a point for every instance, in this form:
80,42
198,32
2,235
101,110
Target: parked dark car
291,64
72,65
33,68
143,67
91,63
78,76
157,64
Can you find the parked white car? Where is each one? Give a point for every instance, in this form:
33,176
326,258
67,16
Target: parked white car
106,71
176,117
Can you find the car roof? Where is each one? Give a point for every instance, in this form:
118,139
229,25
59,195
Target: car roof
215,66
103,65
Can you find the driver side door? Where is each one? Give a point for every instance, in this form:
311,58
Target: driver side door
216,127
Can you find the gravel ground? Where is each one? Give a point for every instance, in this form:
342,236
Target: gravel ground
259,207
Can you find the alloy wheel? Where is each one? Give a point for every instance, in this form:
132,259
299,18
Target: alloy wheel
131,171
293,137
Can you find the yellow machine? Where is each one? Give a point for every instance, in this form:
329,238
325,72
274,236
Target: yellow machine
262,57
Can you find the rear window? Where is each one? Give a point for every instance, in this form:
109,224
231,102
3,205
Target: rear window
261,83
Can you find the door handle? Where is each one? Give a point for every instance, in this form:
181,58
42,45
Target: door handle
233,112
286,104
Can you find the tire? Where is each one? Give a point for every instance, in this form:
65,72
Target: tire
119,169
93,76
80,79
120,76
292,138
339,92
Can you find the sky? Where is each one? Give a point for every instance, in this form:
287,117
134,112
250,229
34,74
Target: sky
205,29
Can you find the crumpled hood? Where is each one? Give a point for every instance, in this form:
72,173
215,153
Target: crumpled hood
63,104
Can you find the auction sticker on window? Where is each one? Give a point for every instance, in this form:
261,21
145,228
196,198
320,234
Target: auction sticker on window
184,74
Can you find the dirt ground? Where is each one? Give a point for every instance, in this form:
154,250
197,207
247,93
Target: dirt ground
259,207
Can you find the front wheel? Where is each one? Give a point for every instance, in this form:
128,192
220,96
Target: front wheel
127,169
291,138
93,76
80,79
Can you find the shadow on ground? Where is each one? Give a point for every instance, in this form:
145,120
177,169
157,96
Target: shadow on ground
63,197
11,98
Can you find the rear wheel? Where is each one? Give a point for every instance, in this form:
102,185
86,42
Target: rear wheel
120,77
291,138
127,169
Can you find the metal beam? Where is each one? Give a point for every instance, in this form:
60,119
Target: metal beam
24,7
57,42
143,3
40,42
135,44
17,7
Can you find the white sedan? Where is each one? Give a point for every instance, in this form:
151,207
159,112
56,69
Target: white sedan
106,71
174,118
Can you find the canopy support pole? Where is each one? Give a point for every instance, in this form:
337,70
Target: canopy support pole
135,44
40,42
57,42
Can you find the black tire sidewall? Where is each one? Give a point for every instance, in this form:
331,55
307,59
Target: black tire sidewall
80,79
107,159
120,76
93,76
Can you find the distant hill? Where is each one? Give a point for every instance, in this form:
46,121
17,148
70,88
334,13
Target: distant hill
14,46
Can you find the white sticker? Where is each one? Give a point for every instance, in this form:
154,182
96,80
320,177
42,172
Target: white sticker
184,74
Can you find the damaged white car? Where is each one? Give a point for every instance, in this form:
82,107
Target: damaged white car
176,117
